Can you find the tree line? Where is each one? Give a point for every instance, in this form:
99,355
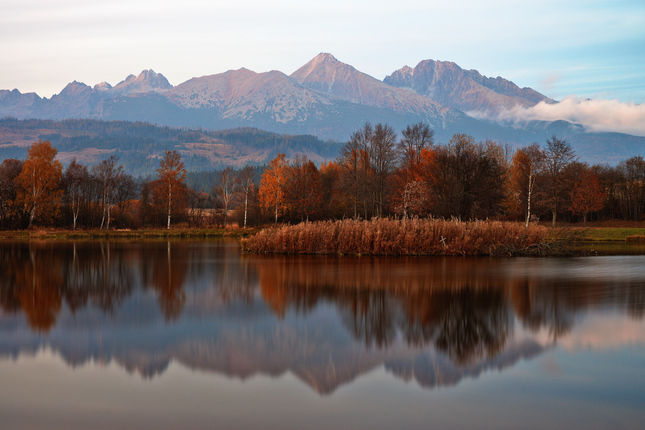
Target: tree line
377,174
38,192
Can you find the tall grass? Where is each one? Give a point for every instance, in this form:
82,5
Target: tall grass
399,237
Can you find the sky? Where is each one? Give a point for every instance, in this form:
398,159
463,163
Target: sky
568,50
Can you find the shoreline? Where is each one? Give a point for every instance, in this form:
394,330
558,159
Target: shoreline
179,233
578,240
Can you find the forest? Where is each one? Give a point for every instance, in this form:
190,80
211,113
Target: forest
137,144
376,175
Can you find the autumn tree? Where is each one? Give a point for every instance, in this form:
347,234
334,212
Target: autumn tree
126,191
466,178
171,190
527,164
413,199
411,193
354,161
587,195
632,187
557,156
302,191
414,140
38,182
271,192
225,188
9,209
335,200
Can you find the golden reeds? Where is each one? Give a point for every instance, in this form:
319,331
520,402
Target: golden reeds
399,237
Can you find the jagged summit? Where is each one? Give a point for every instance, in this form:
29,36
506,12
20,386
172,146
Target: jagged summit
147,81
466,90
103,86
325,97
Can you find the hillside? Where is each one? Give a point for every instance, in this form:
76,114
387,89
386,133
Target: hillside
138,145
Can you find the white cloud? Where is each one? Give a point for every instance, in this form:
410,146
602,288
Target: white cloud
594,115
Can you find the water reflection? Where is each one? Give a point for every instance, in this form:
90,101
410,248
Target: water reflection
325,319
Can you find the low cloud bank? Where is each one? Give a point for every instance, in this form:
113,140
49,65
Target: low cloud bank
594,115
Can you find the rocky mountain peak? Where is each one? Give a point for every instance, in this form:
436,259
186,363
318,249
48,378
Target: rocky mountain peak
147,81
103,86
74,88
323,68
466,90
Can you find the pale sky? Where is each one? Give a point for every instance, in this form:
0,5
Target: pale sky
586,48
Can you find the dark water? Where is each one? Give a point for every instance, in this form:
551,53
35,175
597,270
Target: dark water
108,335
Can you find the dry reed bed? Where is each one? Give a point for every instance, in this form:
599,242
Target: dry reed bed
400,237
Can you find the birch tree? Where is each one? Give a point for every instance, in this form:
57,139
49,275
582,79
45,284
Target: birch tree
38,183
527,164
172,175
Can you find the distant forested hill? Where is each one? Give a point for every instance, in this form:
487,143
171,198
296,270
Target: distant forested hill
139,144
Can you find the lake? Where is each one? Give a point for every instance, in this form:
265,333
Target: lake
181,334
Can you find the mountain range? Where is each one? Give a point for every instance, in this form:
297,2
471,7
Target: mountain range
326,98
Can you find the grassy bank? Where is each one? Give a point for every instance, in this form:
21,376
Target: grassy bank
611,234
406,237
179,233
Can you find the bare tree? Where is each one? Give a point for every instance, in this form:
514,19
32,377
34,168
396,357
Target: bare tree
383,161
75,181
105,174
246,182
467,178
558,155
415,139
225,188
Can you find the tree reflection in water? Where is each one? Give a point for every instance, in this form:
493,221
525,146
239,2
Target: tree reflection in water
164,269
464,308
40,275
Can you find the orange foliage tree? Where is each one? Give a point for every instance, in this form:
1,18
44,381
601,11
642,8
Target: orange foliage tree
303,192
10,210
38,183
336,200
527,164
587,195
271,191
411,182
170,190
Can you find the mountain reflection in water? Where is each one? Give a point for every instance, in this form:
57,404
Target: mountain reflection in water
325,319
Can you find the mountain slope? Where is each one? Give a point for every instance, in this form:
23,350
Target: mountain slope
326,98
466,90
326,75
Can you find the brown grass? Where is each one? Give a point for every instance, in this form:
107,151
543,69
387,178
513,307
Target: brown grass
401,237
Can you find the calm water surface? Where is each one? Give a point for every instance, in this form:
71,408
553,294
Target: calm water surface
167,335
